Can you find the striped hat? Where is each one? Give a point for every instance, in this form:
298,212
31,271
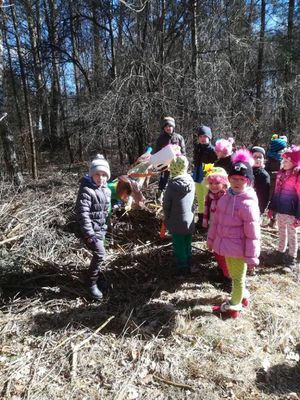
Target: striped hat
277,144
168,121
99,164
258,149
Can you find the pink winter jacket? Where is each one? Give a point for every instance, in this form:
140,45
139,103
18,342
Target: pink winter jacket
235,229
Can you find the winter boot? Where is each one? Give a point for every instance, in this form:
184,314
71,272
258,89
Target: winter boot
94,292
246,298
278,258
290,264
245,302
182,268
104,286
228,310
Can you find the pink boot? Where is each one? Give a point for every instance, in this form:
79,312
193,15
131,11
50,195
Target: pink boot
228,310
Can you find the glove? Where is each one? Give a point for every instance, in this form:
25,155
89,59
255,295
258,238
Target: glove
270,214
296,223
91,240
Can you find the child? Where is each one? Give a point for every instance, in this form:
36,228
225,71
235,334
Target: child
235,230
217,183
124,187
274,158
168,136
286,203
92,209
204,153
178,212
261,178
223,149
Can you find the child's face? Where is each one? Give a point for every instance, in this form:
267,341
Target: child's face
168,129
215,186
287,164
203,139
238,183
220,154
100,178
259,160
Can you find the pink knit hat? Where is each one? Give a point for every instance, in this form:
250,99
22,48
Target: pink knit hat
224,146
293,154
217,174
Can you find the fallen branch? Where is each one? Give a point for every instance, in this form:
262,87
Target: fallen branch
76,347
177,384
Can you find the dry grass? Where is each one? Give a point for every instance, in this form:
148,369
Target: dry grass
154,337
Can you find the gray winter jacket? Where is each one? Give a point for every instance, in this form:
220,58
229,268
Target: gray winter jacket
178,205
92,208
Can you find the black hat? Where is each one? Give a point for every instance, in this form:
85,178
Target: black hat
242,162
204,130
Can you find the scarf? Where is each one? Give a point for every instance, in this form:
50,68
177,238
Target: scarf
210,205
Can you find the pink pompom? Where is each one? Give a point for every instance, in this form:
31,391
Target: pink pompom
243,155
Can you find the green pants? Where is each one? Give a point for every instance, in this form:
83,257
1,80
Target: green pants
182,248
237,271
201,191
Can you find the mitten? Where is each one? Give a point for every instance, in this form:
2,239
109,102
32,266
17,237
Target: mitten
91,240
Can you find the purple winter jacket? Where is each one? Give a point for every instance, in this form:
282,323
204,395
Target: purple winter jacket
286,197
235,229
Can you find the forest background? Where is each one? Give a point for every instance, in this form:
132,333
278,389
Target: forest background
79,77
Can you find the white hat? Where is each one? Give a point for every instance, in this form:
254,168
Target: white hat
99,164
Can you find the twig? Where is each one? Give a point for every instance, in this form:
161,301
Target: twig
12,239
121,248
76,347
177,384
68,339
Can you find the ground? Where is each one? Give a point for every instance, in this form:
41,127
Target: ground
154,336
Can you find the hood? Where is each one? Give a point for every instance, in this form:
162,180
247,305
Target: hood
182,183
249,193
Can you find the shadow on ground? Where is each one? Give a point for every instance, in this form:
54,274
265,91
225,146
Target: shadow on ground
279,379
135,301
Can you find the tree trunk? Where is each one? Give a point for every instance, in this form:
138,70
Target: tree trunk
7,138
26,100
288,118
42,118
194,37
259,74
16,101
74,41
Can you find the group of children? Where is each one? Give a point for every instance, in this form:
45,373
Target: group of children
232,191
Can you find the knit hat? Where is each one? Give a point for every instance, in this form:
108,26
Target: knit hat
224,146
179,166
242,162
218,173
204,130
278,143
99,164
168,121
293,154
257,149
